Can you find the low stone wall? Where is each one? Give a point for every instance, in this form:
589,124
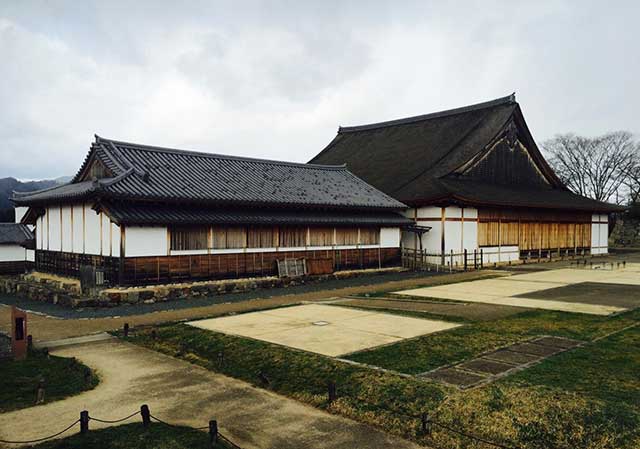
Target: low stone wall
68,294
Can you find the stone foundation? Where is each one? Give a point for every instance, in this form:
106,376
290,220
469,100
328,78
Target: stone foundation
58,291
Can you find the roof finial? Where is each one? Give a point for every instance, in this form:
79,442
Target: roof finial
512,97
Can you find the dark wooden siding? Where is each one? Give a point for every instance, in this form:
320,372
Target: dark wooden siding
150,270
508,166
166,269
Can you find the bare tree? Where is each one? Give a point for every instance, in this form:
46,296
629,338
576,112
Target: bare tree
600,167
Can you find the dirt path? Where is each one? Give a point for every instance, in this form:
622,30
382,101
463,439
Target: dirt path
47,328
181,393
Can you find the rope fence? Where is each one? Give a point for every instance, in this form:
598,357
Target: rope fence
214,434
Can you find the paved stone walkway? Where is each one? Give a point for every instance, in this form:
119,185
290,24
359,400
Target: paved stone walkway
502,362
185,394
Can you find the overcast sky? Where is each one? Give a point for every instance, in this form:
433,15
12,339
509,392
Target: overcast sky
276,79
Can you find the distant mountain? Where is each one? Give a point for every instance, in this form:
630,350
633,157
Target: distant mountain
9,185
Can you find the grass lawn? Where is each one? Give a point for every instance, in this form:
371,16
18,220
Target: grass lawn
134,436
62,377
587,398
431,351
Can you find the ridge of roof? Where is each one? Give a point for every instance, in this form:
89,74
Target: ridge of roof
509,99
144,147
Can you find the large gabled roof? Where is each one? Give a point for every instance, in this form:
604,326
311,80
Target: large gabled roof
417,159
149,173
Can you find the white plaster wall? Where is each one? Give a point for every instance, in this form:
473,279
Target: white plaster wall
92,237
429,212
470,234
105,228
66,231
453,212
453,236
432,240
12,253
19,213
38,233
389,237
45,231
55,242
470,212
146,241
31,255
78,229
115,240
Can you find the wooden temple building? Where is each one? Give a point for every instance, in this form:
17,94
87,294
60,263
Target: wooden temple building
145,214
476,177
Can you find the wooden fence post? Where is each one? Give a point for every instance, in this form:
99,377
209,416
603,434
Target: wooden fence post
465,259
125,330
424,421
84,422
481,258
213,433
332,391
146,415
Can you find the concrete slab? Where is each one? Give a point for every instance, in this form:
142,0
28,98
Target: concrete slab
337,330
526,290
576,307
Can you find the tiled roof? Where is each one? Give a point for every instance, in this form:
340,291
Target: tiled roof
415,159
131,214
141,172
15,233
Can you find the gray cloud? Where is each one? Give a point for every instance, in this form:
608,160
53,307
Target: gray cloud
275,79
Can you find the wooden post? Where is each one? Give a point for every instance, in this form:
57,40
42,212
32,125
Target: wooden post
465,259
424,424
125,330
146,415
475,259
40,392
332,391
481,258
84,422
213,433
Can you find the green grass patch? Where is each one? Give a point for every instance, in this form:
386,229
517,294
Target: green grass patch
607,370
434,350
62,377
587,398
135,436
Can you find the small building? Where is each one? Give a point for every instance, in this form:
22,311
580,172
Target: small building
16,248
145,214
476,177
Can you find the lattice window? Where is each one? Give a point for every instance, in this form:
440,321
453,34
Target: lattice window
189,238
292,237
346,236
321,236
369,236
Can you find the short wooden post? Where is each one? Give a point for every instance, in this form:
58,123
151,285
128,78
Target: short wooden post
30,341
213,433
40,392
146,415
481,258
84,422
465,259
154,334
475,259
424,424
332,391
125,330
